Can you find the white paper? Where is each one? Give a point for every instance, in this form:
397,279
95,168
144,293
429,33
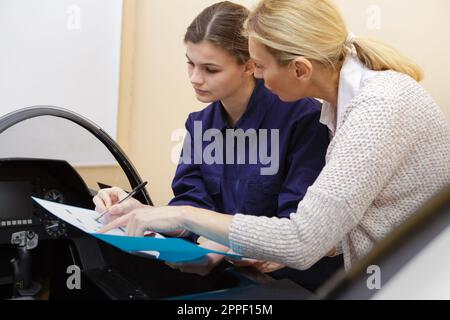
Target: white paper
83,219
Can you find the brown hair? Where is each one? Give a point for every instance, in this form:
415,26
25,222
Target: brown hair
222,25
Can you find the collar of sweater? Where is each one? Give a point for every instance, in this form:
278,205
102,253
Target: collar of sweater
352,74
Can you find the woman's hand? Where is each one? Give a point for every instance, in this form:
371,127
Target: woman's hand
174,220
262,266
107,199
202,266
332,252
166,220
205,264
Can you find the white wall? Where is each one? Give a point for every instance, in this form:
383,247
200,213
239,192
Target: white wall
64,53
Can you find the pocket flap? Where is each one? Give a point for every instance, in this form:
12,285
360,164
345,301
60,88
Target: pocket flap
212,184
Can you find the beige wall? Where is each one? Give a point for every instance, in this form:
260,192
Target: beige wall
156,96
109,175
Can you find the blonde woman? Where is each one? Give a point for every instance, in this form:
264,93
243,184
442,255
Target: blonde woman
389,153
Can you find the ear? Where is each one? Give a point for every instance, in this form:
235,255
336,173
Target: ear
249,67
303,68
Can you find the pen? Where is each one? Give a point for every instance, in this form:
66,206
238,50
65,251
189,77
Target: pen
132,193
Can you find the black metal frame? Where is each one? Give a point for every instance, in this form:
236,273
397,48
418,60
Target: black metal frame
15,117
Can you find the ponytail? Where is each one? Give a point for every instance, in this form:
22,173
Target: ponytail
379,56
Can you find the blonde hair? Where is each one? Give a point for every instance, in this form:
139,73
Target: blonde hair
316,30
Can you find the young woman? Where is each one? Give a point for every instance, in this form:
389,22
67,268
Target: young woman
222,74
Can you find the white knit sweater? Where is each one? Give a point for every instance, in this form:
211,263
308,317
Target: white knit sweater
390,154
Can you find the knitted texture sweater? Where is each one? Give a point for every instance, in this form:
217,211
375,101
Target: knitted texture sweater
390,154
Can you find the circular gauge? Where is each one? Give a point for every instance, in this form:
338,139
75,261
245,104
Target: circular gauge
54,195
55,227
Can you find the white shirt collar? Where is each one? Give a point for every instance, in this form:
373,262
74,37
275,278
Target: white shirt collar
352,74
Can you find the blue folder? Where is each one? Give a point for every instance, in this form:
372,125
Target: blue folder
170,249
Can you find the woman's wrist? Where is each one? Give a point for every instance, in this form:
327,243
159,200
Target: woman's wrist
185,217
206,223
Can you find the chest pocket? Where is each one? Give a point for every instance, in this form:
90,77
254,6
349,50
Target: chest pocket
213,187
261,197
